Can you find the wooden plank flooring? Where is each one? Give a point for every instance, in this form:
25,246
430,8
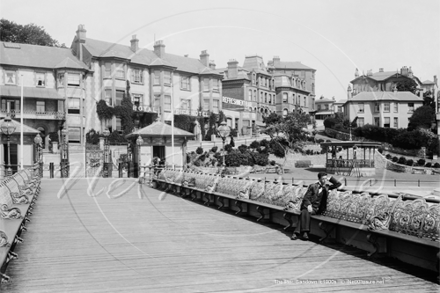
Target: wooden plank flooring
145,241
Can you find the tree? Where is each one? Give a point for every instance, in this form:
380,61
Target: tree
289,133
421,118
272,118
408,85
213,118
26,34
428,99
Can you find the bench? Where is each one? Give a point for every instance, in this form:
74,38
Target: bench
204,188
412,235
14,214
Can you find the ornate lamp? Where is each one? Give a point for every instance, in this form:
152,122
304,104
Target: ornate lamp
139,142
64,154
38,144
8,128
224,131
106,134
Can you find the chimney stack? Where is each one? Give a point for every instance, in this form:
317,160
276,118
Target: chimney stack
159,49
81,33
233,68
134,43
204,58
276,59
211,64
380,69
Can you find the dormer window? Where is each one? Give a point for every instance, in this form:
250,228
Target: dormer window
40,78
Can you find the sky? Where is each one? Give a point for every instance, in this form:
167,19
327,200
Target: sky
332,36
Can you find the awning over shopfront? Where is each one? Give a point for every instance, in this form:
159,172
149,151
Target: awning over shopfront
29,92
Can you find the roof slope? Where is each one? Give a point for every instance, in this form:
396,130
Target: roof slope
38,56
159,129
26,129
289,65
146,57
386,96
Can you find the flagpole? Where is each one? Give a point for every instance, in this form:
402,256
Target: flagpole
21,121
172,118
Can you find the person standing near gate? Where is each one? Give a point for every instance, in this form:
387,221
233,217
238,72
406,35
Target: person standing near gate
314,203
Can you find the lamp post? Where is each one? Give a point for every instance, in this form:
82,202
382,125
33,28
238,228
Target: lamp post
106,134
64,154
8,128
224,131
37,141
129,161
139,142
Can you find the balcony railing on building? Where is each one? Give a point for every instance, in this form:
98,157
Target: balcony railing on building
30,114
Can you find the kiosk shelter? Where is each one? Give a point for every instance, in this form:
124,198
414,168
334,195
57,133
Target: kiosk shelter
157,141
29,152
359,163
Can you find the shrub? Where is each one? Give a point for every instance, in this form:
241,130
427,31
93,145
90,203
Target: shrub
214,149
395,159
428,165
277,149
436,165
410,162
243,148
388,156
228,148
264,143
328,140
261,159
330,122
115,138
380,150
421,162
338,127
91,137
255,144
199,150
402,160
272,163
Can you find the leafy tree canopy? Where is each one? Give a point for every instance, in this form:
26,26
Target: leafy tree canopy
408,85
428,99
26,34
422,118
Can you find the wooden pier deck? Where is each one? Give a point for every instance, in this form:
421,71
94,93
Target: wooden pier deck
144,241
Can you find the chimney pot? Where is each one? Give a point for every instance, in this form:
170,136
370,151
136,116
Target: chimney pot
81,32
159,49
204,58
134,43
212,64
380,69
232,68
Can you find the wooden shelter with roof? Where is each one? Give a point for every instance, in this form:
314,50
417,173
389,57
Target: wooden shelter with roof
29,134
157,142
359,163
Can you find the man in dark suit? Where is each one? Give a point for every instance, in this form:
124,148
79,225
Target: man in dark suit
314,203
